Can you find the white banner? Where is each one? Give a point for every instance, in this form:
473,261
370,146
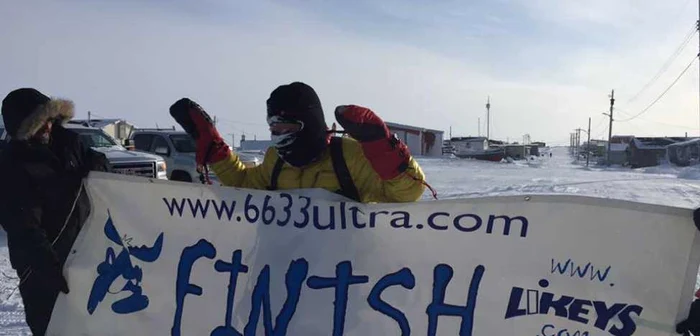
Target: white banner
168,258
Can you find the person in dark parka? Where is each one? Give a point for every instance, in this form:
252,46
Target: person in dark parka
43,204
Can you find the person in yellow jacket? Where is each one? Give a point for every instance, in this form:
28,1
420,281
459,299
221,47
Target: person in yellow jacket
370,165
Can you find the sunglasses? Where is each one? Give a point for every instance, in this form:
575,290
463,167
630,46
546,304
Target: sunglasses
281,126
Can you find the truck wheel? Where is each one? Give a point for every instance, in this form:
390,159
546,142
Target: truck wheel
180,176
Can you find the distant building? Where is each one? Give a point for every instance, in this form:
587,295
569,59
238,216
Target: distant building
684,153
255,145
447,147
596,147
119,129
420,141
647,152
517,152
619,152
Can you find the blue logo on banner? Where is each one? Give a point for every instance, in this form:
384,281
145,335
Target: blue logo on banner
599,314
116,266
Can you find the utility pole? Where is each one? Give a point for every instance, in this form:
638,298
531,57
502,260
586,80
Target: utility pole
488,118
588,144
89,117
479,122
571,143
578,142
450,132
612,103
697,26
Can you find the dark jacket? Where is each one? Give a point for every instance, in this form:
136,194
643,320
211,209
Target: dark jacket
41,186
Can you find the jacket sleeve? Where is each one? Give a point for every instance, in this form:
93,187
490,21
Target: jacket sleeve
97,161
88,158
232,173
407,187
21,219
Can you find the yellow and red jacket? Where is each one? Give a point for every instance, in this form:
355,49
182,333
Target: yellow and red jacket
407,187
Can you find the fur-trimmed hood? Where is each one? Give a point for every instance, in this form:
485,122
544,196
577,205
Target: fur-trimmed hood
57,109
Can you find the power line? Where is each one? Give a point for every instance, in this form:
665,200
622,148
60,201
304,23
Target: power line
663,93
599,123
656,122
666,64
601,133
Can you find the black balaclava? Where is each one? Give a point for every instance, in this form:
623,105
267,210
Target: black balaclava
298,103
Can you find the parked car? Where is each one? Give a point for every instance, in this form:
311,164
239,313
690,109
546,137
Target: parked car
123,161
178,149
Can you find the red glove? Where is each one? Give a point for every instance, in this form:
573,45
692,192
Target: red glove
386,153
197,123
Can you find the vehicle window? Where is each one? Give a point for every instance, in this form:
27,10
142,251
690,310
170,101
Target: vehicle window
95,138
183,143
142,142
158,141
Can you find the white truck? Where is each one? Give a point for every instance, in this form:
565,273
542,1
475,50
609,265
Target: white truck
178,148
121,160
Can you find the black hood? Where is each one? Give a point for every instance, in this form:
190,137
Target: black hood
299,102
26,110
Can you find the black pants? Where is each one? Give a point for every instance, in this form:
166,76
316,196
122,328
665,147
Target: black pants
38,299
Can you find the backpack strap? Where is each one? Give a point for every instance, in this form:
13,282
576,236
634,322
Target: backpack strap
347,186
276,170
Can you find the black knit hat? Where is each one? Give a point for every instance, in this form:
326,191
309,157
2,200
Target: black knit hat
25,110
298,101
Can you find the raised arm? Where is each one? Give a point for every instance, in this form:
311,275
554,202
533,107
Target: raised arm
213,151
385,169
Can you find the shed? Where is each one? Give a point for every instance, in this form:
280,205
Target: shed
684,153
118,129
619,153
517,152
420,141
647,152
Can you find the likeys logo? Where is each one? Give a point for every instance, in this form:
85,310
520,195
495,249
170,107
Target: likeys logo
116,266
524,302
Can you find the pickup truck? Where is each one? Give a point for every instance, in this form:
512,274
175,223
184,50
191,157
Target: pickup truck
122,161
178,149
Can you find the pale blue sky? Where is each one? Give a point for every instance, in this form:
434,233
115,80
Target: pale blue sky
547,64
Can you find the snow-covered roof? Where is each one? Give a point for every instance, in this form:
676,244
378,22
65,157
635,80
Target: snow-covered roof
469,139
99,123
687,142
618,147
653,143
392,125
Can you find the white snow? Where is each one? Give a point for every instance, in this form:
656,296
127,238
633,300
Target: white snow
460,178
11,308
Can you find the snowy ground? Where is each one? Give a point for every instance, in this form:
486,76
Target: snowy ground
456,178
